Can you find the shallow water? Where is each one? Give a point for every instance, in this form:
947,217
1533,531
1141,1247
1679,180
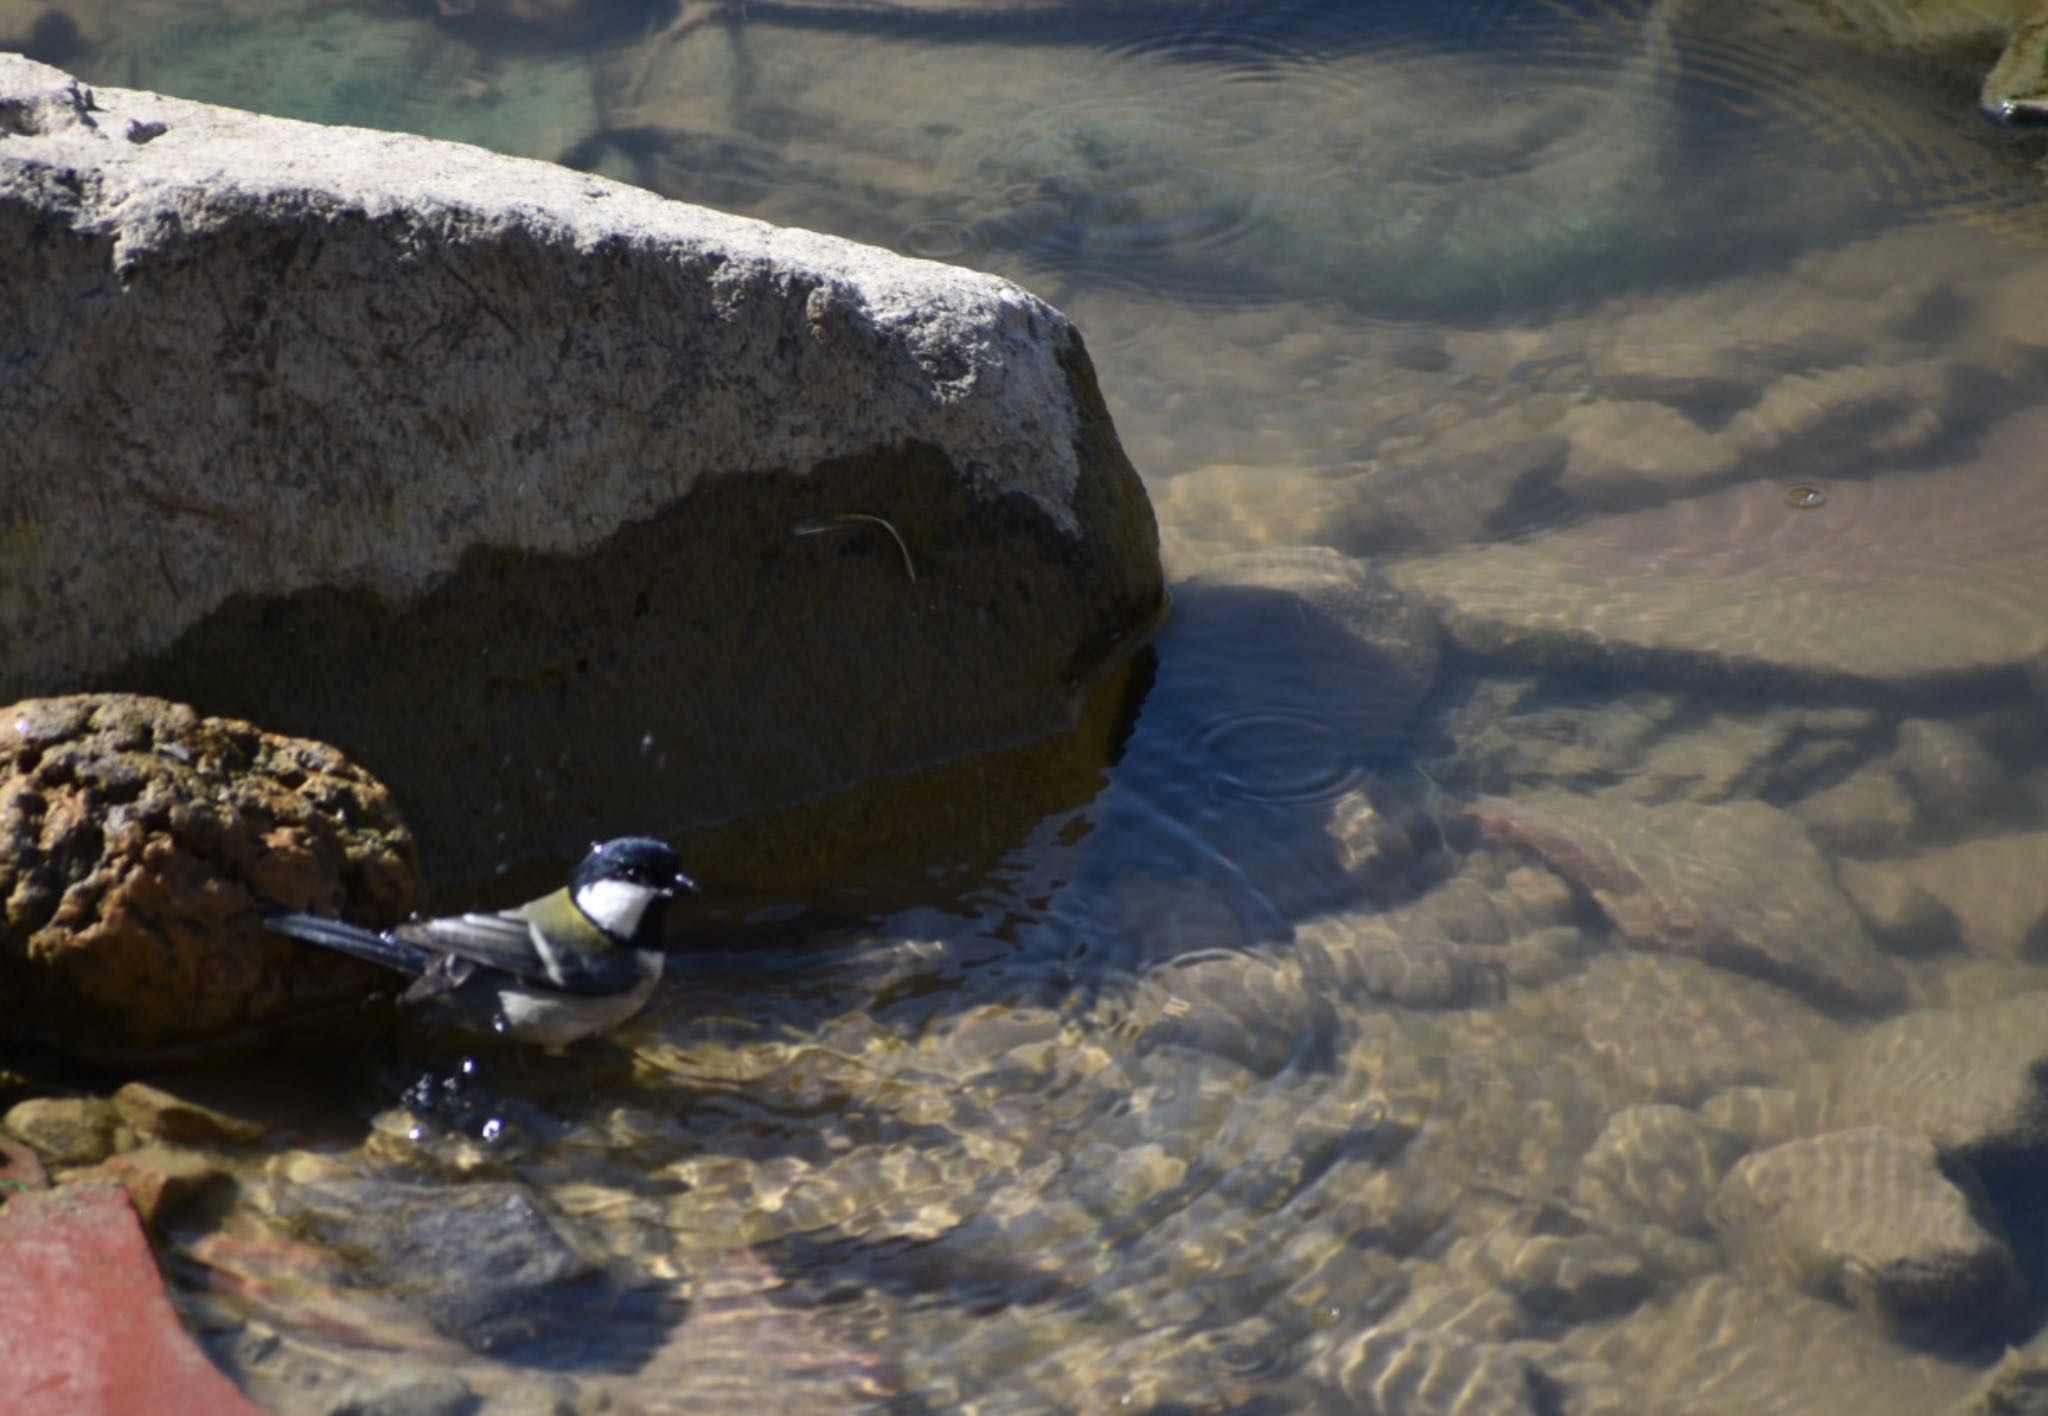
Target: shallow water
1403,1026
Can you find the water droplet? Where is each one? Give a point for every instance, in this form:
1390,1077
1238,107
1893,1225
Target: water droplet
1805,497
493,1129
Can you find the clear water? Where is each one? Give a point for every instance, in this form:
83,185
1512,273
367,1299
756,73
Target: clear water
1689,357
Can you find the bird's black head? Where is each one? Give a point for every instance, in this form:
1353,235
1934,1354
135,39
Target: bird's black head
638,860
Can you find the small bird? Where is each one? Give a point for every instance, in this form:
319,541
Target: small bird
556,969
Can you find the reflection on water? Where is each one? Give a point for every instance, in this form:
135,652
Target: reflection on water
1566,933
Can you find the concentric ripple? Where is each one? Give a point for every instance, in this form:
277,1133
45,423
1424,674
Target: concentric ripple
1281,755
1428,161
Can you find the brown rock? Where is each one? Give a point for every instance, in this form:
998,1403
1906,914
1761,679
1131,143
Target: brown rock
155,1112
65,1130
1906,581
1868,813
137,841
1951,773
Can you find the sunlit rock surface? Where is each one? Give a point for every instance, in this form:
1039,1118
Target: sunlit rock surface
138,841
561,504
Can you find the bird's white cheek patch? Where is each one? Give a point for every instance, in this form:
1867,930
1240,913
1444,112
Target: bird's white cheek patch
615,906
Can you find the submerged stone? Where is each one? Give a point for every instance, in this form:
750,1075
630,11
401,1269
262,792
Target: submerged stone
1386,1368
1679,1029
483,1261
1737,885
1996,887
1659,1162
1912,581
1869,1216
1971,1078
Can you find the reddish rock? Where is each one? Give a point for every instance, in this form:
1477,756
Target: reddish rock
89,1328
19,1170
137,842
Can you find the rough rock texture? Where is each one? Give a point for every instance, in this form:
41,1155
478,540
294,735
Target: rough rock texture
65,1130
566,506
1869,1216
137,840
1738,885
1971,1078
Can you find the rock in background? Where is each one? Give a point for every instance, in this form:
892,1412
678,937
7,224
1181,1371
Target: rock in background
565,508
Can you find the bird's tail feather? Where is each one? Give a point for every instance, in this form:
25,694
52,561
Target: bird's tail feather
350,939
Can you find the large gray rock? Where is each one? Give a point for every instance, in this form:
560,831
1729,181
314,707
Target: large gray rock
564,507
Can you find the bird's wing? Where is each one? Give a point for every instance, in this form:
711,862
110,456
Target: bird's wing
446,974
499,941
516,941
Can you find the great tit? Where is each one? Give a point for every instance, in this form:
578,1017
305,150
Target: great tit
550,971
